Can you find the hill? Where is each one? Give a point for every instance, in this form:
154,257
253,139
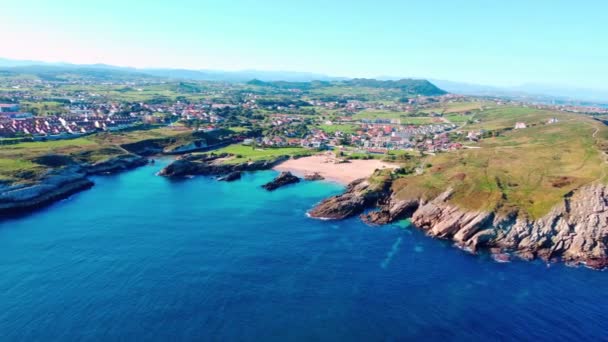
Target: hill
539,191
404,87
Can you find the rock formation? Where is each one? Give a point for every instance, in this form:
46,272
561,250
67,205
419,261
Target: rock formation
575,231
285,178
313,176
358,196
64,178
231,177
53,186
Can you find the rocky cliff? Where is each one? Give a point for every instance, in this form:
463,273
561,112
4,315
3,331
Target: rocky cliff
64,178
575,231
358,196
53,186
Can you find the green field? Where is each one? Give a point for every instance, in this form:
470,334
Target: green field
43,107
458,118
243,153
405,118
528,169
506,117
459,107
344,128
17,158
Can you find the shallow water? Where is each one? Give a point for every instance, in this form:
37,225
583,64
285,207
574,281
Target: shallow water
141,257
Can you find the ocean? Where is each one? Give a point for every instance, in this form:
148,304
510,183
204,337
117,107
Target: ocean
140,257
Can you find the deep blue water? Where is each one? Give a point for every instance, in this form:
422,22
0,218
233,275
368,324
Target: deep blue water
139,257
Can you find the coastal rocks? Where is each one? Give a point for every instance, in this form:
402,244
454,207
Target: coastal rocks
359,195
67,175
180,168
210,166
55,185
575,231
231,177
116,164
285,178
313,176
391,211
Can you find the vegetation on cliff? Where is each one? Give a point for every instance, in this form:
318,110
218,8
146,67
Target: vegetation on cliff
528,170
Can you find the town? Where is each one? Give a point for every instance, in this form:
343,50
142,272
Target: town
43,110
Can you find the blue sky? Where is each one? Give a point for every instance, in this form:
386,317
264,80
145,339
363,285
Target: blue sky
508,43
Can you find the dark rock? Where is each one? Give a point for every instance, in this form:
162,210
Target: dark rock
54,160
313,176
232,176
391,211
285,178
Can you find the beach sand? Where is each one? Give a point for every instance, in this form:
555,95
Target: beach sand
326,166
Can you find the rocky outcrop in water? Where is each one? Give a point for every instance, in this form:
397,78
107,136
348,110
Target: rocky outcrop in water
53,186
283,179
358,196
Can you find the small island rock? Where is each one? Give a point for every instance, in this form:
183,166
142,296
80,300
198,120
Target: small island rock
285,178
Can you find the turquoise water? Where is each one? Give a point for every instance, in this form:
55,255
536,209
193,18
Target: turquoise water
139,257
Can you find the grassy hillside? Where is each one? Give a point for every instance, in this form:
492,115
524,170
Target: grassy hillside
360,86
244,153
528,169
17,162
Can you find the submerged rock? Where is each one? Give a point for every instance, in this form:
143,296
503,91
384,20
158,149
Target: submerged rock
285,178
232,176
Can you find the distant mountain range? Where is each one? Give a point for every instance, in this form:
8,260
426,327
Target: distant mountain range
23,66
526,92
529,92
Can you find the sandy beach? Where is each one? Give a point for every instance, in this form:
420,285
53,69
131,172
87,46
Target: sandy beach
327,167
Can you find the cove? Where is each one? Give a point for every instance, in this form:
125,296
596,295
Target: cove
142,257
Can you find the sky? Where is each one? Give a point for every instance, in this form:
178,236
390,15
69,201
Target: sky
503,43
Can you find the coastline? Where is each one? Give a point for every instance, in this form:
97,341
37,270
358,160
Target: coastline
572,232
329,167
60,183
